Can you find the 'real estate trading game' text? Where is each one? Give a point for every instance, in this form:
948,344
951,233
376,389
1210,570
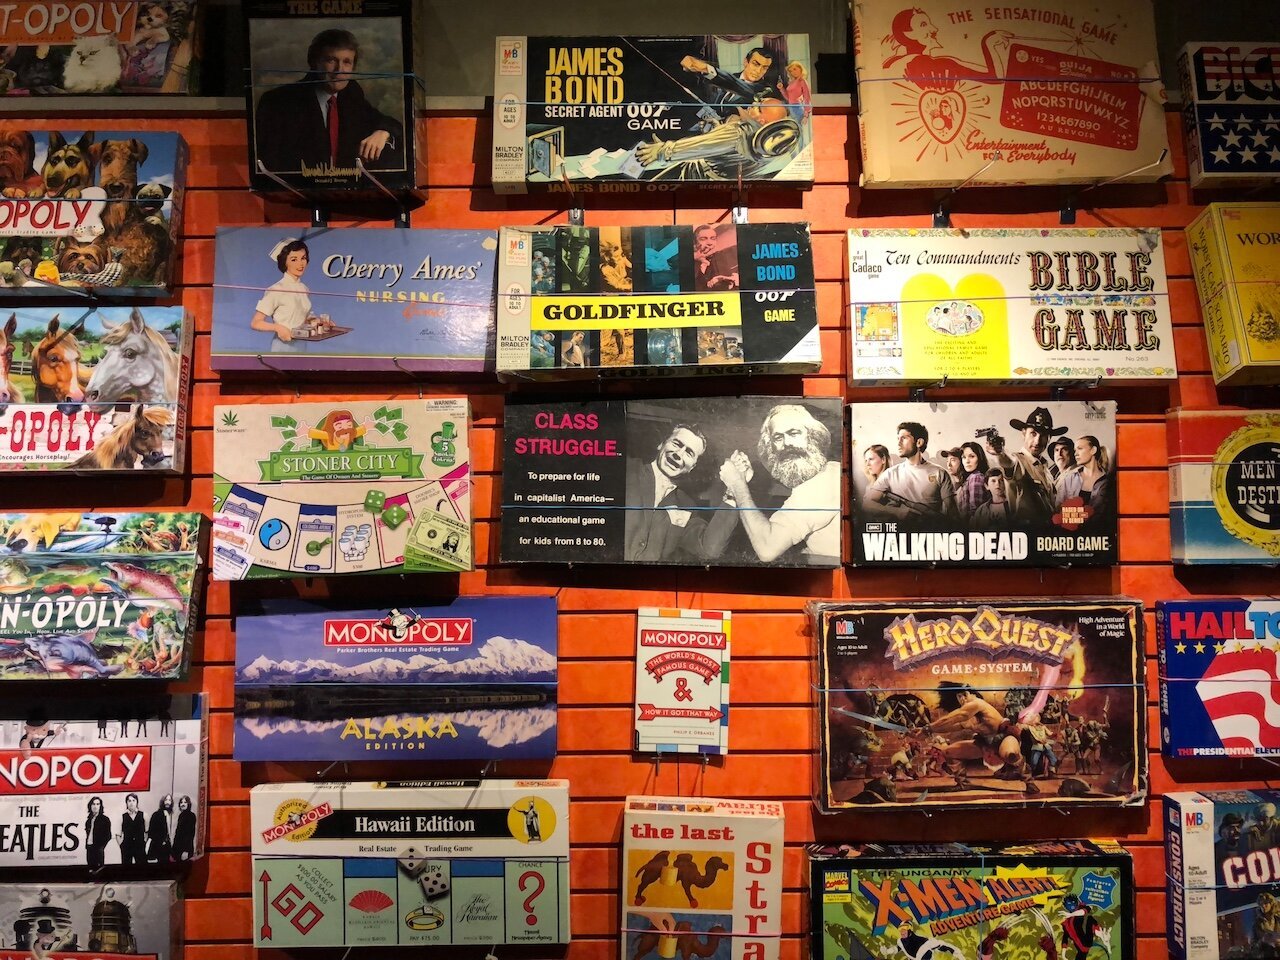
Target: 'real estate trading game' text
138,919
1228,112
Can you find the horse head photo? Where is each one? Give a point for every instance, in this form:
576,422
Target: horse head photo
56,366
138,441
9,391
138,364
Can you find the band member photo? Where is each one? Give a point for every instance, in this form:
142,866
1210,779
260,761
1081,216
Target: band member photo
132,838
160,832
97,834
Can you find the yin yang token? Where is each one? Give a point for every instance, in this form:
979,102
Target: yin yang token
273,534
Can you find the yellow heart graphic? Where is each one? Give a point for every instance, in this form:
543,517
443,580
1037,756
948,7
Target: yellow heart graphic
982,354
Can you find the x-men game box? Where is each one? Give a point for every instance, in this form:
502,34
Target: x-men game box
998,703
1228,104
475,679
632,114
138,920
651,301
725,481
1069,899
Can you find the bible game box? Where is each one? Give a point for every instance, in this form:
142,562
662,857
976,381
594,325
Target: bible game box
1228,112
138,920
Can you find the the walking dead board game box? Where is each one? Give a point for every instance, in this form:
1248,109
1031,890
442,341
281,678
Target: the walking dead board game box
1000,703
984,484
139,920
94,782
376,299
682,681
1038,93
98,596
93,210
725,481
1217,667
1228,111
1224,486
1237,270
1008,306
631,114
651,301
1066,899
418,864
356,486
473,679
701,877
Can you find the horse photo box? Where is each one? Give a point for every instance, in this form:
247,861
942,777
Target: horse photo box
141,920
1228,104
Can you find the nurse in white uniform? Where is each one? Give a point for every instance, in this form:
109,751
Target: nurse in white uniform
286,304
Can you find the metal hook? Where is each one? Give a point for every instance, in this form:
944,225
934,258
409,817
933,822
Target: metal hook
284,373
577,213
402,218
488,767
321,774
942,209
1067,215
407,373
262,169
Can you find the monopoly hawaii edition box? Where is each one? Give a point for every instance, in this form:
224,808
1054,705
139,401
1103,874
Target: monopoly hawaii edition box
138,920
1228,112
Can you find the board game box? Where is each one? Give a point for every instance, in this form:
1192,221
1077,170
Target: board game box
1228,104
657,301
725,481
1223,468
641,114
360,486
701,877
682,681
1066,899
475,679
963,703
377,299
138,920
1008,306
415,864
1041,93
985,484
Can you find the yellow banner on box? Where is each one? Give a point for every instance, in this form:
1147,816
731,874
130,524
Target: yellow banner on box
635,312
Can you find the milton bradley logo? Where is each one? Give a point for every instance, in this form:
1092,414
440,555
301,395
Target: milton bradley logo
709,639
913,641
296,820
99,770
511,58
399,629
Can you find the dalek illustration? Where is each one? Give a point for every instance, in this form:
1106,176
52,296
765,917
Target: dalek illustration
110,926
44,927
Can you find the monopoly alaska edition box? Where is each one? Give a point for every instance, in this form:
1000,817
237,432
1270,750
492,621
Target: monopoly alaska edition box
138,920
1228,111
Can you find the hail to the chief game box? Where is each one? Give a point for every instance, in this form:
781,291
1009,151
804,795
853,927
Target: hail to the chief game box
376,299
413,864
93,210
702,877
1228,110
130,920
650,301
999,703
1008,306
1040,93
356,486
1069,899
682,681
616,114
1224,501
475,679
741,481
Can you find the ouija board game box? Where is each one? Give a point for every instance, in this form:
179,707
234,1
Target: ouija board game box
1228,111
993,704
138,920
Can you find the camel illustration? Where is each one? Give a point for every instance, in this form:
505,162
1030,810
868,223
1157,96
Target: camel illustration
687,873
688,944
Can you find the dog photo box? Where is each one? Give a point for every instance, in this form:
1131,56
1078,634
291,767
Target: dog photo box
141,919
1228,112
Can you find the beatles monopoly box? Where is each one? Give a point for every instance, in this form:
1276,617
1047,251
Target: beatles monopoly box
94,210
730,481
1067,898
360,486
1041,93
415,864
139,920
474,679
1228,110
88,781
1223,468
385,300
683,300
697,872
682,681
1009,306
615,114
996,703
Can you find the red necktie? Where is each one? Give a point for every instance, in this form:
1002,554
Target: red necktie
333,128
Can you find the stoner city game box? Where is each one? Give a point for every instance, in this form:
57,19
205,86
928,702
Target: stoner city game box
139,920
1228,112
953,703
632,114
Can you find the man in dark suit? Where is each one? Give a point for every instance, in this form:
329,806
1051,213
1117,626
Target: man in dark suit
132,837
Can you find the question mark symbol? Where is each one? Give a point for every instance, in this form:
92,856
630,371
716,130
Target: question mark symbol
535,879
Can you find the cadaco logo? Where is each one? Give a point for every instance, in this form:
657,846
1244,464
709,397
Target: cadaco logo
399,629
97,770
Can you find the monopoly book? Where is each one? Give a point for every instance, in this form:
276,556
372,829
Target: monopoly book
475,679
680,300
617,114
998,703
682,681
1228,104
733,482
140,919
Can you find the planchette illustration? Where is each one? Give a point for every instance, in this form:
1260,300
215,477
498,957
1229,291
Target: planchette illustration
943,113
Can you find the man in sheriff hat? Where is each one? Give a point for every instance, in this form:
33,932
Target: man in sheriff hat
1030,476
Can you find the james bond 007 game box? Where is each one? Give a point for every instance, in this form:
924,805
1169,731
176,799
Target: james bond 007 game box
614,113
138,920
1228,110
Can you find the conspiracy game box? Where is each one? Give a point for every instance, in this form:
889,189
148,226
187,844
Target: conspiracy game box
682,681
984,484
640,114
1228,104
697,872
475,679
415,864
999,703
653,301
1041,93
725,481
1009,306
140,920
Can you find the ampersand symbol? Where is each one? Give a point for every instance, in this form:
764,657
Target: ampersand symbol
682,689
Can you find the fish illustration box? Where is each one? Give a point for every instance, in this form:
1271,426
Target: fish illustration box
669,301
696,872
1066,898
1228,104
90,211
385,300
1222,482
642,114
1009,306
361,486
473,679
420,864
741,481
140,920
994,704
